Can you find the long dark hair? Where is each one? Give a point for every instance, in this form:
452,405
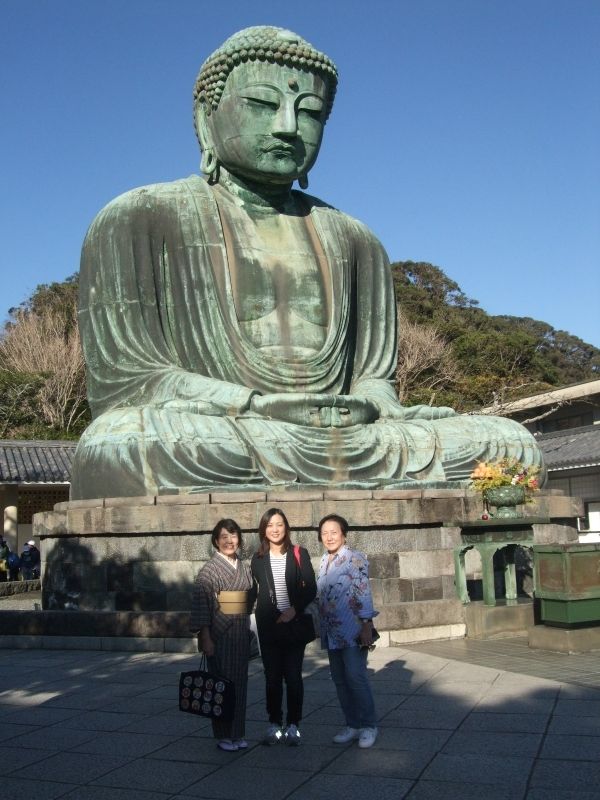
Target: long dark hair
263,546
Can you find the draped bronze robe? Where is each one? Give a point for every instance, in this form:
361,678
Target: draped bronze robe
171,376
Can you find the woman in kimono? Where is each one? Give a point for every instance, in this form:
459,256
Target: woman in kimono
220,619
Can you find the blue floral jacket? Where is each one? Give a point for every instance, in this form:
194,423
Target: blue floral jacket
344,596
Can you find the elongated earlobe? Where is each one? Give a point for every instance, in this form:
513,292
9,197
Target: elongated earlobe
303,181
209,164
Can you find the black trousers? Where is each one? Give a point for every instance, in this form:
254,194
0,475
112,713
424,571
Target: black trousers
283,663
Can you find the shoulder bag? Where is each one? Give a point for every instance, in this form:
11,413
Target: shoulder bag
205,694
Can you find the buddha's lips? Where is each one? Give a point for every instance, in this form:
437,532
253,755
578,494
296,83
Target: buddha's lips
279,147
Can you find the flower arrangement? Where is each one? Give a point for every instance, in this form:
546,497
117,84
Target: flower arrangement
506,472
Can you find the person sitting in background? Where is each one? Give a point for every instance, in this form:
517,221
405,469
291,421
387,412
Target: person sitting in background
30,561
4,554
13,563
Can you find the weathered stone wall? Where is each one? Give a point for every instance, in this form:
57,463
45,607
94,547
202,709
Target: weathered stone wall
10,588
141,554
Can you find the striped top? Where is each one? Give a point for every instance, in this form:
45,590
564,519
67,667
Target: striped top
278,570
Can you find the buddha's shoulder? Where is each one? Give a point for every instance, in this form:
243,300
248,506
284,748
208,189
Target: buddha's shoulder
156,198
354,227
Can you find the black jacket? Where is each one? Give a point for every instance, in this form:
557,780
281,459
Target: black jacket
301,586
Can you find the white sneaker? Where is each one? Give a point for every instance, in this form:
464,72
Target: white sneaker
291,736
227,745
346,735
367,737
273,735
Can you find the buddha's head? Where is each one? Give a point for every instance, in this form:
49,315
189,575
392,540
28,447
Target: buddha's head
260,105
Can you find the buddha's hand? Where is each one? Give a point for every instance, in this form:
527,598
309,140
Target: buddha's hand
316,410
423,412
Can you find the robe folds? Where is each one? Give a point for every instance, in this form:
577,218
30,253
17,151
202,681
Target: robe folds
230,634
171,375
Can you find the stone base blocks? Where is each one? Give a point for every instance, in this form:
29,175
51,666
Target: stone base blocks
564,640
141,554
497,622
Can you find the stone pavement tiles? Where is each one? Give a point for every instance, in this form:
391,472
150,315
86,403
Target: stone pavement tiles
105,726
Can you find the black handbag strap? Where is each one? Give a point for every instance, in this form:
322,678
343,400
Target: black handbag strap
269,581
300,582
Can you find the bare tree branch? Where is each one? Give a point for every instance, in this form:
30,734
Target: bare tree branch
425,360
48,344
547,413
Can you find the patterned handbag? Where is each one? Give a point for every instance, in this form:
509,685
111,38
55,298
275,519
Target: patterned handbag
205,694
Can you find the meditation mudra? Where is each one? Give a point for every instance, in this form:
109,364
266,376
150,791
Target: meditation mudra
239,333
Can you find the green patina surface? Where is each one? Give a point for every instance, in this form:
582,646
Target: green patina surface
489,537
568,583
568,572
566,613
239,333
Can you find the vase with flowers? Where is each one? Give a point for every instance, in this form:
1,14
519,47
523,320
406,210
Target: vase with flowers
505,484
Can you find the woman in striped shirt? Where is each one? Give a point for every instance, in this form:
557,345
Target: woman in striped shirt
284,582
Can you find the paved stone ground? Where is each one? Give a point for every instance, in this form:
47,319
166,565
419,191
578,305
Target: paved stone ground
105,726
27,601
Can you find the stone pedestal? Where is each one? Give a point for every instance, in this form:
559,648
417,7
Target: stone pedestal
513,618
564,640
490,537
141,554
568,583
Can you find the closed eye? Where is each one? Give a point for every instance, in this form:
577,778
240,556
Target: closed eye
311,105
311,112
261,95
256,101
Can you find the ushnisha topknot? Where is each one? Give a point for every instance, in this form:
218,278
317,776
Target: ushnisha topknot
260,43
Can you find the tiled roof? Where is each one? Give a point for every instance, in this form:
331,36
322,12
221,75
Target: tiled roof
575,447
36,461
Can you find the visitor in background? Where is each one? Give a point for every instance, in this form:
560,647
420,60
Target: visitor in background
30,561
284,582
4,554
14,565
346,613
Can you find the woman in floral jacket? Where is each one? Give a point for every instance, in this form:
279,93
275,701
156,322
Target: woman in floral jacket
346,614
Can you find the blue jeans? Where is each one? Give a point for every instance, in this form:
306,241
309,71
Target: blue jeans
349,672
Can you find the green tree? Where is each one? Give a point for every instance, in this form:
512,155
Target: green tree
495,356
59,297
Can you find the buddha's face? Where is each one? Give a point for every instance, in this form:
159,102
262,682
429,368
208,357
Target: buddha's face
269,123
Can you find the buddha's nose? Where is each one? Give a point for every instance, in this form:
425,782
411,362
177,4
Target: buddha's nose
286,123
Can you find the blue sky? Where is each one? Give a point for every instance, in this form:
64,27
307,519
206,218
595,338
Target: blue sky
465,132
